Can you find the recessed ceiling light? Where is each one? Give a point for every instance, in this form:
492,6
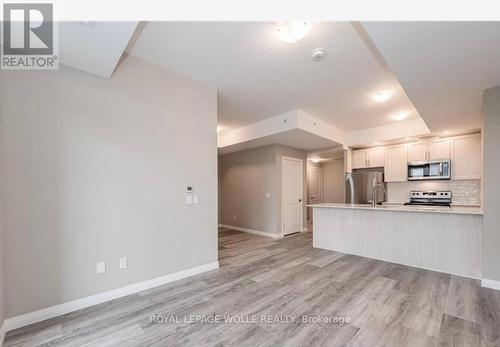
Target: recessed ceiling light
400,116
315,160
382,96
292,31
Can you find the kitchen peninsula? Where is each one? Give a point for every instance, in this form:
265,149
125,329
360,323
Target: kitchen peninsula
445,239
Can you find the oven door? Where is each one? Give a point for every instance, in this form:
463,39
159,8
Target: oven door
432,170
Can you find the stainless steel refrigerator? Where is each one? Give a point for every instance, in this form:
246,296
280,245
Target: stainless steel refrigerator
364,186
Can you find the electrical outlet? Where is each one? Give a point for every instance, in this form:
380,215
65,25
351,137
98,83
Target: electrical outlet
123,263
100,267
268,195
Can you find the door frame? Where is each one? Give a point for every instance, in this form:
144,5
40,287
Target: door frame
283,159
309,174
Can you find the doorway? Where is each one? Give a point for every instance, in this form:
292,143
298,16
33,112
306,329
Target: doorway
292,199
314,188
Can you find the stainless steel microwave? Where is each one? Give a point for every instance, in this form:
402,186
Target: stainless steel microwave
429,170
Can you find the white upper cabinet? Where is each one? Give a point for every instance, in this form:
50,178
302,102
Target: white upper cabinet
466,157
432,150
368,158
463,151
396,163
359,160
417,151
439,149
376,157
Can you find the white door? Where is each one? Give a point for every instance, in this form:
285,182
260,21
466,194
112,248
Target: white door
292,195
466,157
376,157
359,160
439,149
417,151
315,187
396,164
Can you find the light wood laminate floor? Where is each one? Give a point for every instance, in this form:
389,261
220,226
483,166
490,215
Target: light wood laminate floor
386,304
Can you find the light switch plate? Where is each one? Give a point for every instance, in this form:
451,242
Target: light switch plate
189,199
123,263
100,267
268,195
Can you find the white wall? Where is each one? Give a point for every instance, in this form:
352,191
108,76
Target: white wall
96,169
2,278
334,181
491,230
245,177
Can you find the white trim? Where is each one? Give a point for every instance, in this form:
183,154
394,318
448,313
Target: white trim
251,231
283,158
492,284
3,332
67,307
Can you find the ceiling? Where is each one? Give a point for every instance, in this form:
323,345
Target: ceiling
94,47
443,66
297,138
258,76
437,68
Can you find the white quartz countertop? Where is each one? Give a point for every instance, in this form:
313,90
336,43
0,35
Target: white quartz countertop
402,208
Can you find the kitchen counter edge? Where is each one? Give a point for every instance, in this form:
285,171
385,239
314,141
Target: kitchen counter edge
401,208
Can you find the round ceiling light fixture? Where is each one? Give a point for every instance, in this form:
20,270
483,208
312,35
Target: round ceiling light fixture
292,31
318,54
400,116
382,96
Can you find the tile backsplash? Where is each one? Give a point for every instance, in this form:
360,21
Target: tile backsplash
467,192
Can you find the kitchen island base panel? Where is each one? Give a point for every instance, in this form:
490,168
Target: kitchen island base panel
449,243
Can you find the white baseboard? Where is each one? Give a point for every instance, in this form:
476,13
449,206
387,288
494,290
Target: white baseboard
57,310
251,231
492,284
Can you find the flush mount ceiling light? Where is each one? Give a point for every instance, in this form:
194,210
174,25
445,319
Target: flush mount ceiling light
292,31
315,160
382,96
400,116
